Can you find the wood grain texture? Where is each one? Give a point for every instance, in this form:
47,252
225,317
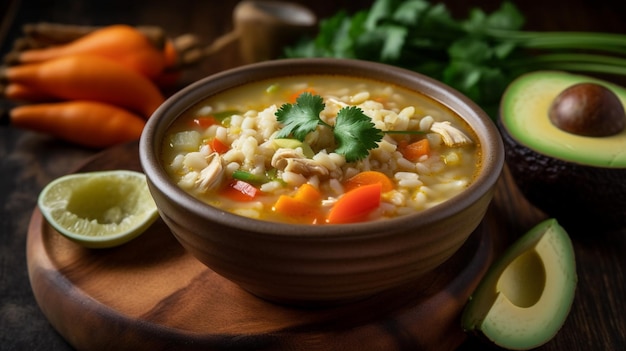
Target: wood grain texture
151,295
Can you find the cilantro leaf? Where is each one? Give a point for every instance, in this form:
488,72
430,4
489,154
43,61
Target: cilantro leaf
355,134
301,118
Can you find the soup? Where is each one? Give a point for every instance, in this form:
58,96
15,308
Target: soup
321,149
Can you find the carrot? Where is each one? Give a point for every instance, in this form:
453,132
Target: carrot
122,43
369,177
170,54
298,210
239,190
355,205
308,193
172,71
80,77
218,146
415,150
87,123
21,92
304,206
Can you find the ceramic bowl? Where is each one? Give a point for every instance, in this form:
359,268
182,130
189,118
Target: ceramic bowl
313,264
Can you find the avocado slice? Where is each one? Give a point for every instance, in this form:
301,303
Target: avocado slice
575,178
526,296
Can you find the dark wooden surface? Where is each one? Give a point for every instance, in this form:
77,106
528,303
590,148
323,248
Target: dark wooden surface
29,161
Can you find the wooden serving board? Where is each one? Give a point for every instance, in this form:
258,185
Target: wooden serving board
149,294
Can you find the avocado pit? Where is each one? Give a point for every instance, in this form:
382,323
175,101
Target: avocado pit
588,109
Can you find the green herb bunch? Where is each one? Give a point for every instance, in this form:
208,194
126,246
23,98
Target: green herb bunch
479,55
354,132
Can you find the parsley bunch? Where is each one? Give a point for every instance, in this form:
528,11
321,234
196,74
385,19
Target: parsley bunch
354,132
478,56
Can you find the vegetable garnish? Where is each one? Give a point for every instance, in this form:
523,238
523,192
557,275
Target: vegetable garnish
354,131
478,56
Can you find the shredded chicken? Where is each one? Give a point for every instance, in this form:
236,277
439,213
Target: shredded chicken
212,174
291,160
451,136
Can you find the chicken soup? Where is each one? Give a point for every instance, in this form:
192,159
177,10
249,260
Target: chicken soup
321,149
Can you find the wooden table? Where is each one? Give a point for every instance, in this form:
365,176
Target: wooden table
30,160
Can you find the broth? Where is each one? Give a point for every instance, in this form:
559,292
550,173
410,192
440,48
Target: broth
225,151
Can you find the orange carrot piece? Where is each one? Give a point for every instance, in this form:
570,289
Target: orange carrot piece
369,177
299,210
21,92
218,146
355,205
238,190
303,206
415,150
122,43
87,123
170,54
80,77
309,194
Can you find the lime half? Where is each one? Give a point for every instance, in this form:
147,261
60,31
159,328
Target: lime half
99,209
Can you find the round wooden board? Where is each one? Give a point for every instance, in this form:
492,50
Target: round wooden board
149,294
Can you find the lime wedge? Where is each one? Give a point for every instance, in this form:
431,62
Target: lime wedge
99,209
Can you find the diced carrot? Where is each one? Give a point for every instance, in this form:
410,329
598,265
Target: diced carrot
301,211
369,177
204,122
293,97
415,150
308,193
239,190
356,205
218,146
304,205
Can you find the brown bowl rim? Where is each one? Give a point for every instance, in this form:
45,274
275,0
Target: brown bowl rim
490,139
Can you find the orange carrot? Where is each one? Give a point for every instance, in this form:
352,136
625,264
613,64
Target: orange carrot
304,206
122,43
355,205
415,150
369,177
297,210
170,54
308,193
171,73
21,92
239,190
87,123
218,146
80,77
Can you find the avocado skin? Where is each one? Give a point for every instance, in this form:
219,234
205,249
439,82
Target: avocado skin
584,199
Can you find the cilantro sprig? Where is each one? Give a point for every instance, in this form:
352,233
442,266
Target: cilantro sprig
354,132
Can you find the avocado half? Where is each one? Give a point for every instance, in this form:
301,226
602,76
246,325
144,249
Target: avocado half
525,297
579,180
